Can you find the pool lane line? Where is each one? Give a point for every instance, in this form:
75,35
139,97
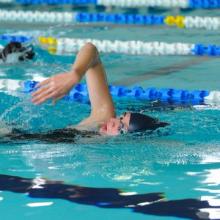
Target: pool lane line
67,46
164,71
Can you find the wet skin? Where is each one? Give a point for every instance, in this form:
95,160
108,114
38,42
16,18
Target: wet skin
116,126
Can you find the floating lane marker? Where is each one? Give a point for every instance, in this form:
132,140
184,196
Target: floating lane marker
170,95
126,3
67,46
50,17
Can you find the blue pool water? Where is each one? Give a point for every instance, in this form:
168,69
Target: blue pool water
181,161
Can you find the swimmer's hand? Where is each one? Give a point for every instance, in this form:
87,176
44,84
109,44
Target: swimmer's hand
55,87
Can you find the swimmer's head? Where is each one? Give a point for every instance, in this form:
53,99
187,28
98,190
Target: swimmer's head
15,52
140,122
130,122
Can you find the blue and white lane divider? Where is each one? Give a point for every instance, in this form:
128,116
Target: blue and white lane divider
68,46
196,97
127,3
52,17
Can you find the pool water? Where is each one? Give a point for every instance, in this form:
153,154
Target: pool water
177,163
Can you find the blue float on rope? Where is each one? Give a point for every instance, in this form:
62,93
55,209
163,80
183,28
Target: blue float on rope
210,50
15,38
204,4
168,94
120,18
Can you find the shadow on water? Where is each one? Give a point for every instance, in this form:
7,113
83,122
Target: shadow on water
149,203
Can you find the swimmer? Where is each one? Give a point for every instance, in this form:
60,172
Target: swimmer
102,117
15,52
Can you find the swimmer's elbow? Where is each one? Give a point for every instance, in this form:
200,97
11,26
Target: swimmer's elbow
91,47
94,54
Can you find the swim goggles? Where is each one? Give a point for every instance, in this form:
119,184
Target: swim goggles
122,128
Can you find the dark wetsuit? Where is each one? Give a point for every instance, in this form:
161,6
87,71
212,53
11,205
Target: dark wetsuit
58,135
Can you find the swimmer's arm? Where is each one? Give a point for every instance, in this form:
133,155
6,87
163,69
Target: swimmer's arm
87,62
102,107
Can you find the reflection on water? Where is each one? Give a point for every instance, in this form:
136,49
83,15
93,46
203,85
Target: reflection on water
151,203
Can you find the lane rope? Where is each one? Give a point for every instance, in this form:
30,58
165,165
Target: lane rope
126,3
189,22
195,97
65,46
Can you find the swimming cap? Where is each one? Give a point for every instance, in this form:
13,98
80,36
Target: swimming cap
141,122
15,52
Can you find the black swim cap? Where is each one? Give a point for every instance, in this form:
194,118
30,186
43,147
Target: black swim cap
15,51
141,122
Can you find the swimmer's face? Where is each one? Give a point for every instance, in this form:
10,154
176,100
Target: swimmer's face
116,126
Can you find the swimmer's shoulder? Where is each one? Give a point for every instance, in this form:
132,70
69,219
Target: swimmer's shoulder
88,124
